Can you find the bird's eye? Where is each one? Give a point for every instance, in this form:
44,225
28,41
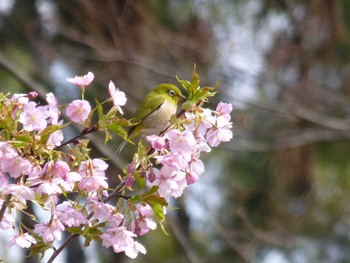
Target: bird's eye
171,93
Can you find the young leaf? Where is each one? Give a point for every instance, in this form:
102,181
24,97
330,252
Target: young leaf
99,109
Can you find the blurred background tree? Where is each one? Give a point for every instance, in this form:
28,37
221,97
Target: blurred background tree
279,192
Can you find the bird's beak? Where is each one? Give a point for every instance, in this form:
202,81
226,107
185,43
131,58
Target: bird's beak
183,97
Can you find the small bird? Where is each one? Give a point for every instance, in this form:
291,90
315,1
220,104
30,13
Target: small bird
154,112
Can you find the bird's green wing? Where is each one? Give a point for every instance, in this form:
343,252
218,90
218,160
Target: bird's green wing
150,104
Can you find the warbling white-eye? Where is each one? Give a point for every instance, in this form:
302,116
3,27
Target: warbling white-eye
153,113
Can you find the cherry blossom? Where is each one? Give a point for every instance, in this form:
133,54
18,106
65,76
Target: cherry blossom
119,98
82,81
14,165
3,180
157,142
24,240
171,182
22,192
200,122
220,133
55,139
70,216
8,220
122,240
143,222
53,109
105,212
34,117
181,140
50,231
93,175
223,110
78,110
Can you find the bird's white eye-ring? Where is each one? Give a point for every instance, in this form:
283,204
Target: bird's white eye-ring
171,93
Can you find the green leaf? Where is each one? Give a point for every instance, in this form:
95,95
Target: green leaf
74,230
112,112
139,180
155,199
161,223
87,242
93,232
117,126
195,77
152,190
21,140
118,129
158,211
39,248
136,199
184,83
99,109
107,137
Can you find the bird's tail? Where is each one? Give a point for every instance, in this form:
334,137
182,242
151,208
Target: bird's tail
121,146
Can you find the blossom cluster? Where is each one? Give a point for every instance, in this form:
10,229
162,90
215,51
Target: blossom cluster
178,150
35,168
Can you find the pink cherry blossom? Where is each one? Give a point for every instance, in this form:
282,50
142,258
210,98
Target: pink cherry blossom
23,240
157,142
93,174
183,141
200,121
197,166
33,117
82,81
70,216
19,99
22,192
223,110
78,110
33,95
93,167
93,183
220,133
15,165
105,212
8,219
119,98
49,188
3,180
202,145
55,139
171,182
133,249
53,109
50,231
121,240
64,177
143,221
177,160
191,178
7,153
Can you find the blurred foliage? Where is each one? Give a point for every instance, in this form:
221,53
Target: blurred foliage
283,183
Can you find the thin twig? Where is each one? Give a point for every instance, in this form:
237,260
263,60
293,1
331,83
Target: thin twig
82,134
